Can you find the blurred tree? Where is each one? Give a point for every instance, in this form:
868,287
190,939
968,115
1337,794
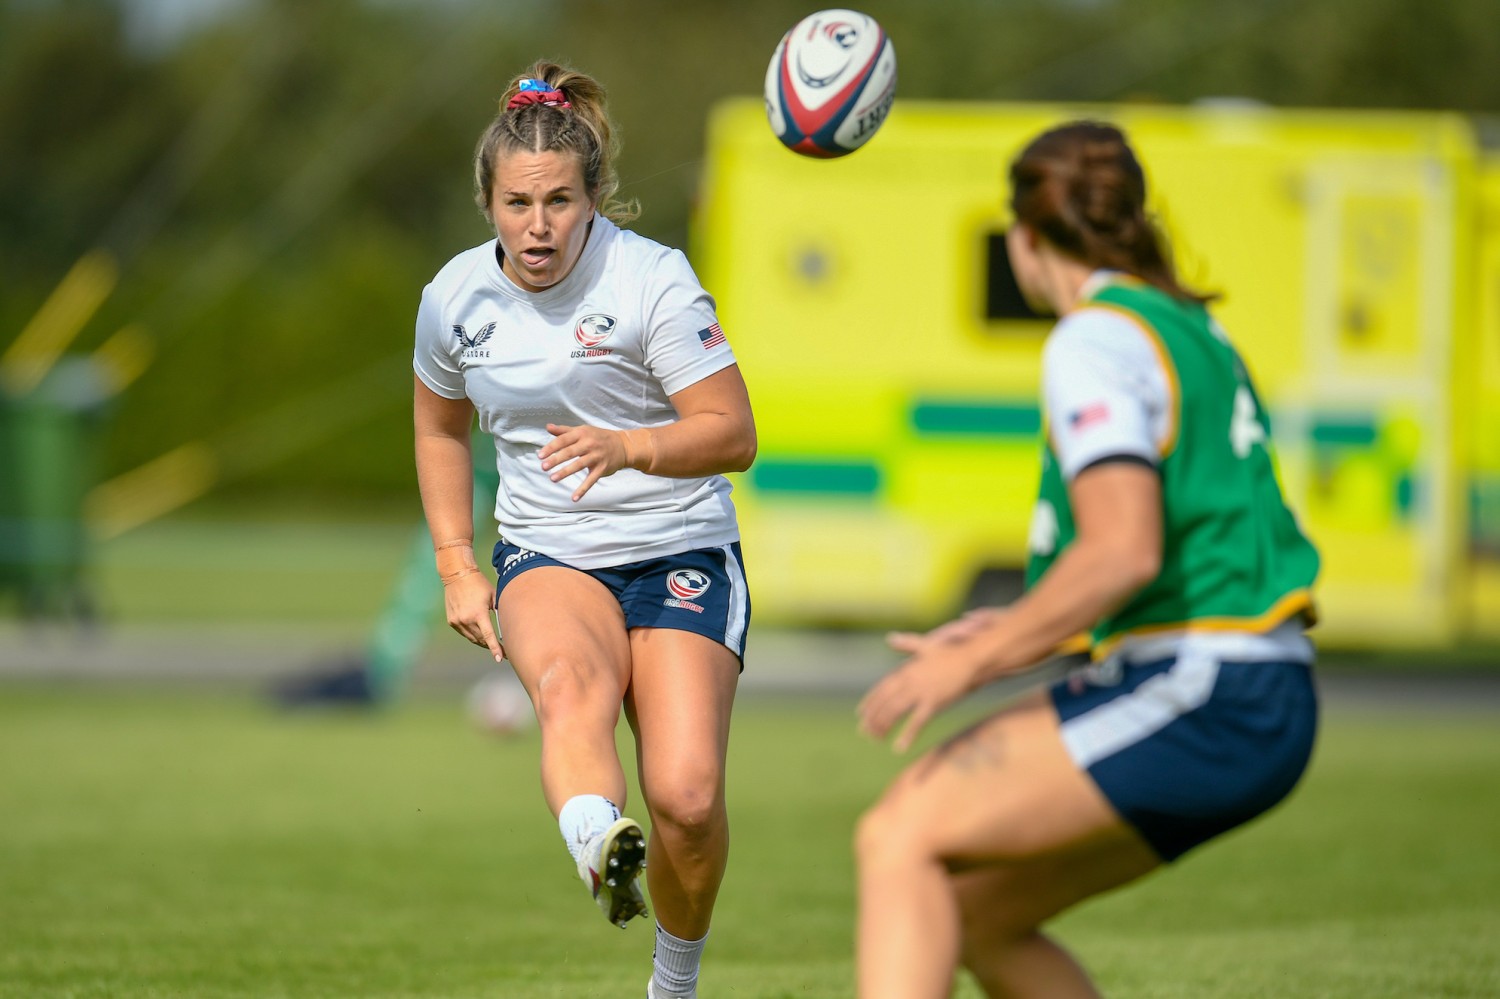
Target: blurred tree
279,182
80,123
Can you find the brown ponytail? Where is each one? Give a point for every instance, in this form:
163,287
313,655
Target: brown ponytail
1081,187
582,127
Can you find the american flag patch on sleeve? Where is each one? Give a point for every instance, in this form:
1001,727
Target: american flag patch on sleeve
1094,412
711,337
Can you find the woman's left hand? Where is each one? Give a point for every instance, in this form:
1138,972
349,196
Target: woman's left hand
959,629
577,449
937,676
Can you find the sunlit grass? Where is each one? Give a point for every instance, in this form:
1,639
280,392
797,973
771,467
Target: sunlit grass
166,843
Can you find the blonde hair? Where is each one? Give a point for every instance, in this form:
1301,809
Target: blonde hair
582,129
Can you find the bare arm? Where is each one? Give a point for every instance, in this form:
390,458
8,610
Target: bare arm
445,477
1117,509
714,433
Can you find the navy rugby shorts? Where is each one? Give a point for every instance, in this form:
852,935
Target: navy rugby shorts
702,591
1189,747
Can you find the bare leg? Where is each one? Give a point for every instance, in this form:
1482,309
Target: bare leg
904,900
1003,798
575,665
682,690
1002,905
1037,966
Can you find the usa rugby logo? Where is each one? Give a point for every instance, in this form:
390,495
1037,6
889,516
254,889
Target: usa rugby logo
594,330
685,584
840,33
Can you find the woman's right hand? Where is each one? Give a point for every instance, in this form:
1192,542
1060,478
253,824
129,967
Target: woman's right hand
470,602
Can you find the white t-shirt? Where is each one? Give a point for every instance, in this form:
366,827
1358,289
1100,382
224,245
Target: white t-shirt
606,347
1104,389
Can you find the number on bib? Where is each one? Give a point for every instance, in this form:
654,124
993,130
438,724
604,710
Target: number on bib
1245,430
1042,538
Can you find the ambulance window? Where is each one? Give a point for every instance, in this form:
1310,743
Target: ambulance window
1002,298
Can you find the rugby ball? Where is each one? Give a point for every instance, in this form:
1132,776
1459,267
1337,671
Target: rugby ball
498,704
830,83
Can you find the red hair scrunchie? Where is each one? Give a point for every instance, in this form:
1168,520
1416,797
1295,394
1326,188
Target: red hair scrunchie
550,98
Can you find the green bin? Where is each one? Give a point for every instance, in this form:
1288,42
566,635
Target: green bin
48,459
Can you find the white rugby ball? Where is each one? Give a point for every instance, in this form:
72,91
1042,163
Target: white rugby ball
497,703
830,83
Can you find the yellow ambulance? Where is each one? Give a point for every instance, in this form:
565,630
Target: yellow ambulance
894,370
1484,437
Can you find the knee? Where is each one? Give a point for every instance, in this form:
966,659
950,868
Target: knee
889,835
691,807
568,689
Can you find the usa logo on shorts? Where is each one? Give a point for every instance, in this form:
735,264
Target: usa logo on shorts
685,584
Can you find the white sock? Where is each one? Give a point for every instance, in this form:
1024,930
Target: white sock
675,962
582,816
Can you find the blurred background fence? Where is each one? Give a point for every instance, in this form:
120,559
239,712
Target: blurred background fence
216,217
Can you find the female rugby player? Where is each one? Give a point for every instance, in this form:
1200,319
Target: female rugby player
1161,531
595,360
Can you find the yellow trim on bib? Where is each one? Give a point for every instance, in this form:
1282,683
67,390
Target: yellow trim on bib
1296,602
1168,443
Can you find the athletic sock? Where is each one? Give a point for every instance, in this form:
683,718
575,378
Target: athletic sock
583,816
675,962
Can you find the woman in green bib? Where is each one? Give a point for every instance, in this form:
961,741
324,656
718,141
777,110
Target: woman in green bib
1160,532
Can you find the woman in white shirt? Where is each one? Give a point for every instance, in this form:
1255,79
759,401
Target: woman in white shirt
595,360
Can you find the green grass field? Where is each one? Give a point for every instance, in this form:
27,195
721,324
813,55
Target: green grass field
193,843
